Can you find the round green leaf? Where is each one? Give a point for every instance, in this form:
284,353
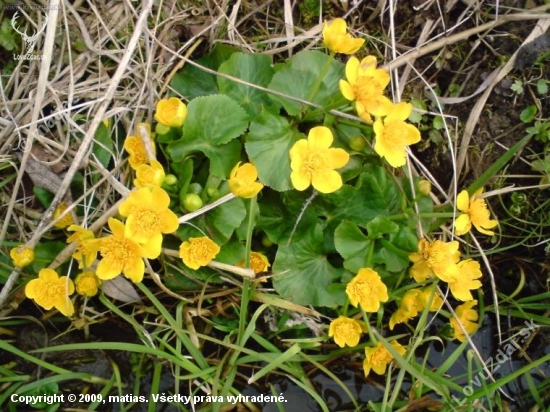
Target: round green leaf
252,68
268,145
352,245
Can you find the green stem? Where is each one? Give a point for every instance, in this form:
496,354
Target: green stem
324,71
251,216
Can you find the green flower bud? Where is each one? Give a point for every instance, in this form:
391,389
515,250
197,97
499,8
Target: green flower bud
192,202
170,180
358,143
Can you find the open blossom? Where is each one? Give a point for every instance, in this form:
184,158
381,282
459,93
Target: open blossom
149,175
171,112
66,220
87,283
123,255
460,286
378,358
367,290
148,216
337,39
135,147
474,212
258,262
365,86
242,181
51,291
313,162
393,134
198,251
468,317
435,259
346,331
22,256
87,246
413,302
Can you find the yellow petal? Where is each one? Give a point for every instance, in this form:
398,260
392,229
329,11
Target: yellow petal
399,112
346,89
300,181
327,182
64,305
463,201
116,226
32,289
298,151
367,66
135,271
320,137
462,224
338,158
152,249
352,68
48,275
105,271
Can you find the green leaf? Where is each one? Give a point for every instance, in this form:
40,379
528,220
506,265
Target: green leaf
193,81
252,68
299,76
542,86
103,145
528,114
268,144
352,245
394,252
380,226
304,273
45,253
211,125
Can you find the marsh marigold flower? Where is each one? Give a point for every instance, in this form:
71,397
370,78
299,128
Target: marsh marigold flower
367,290
242,181
198,251
468,317
87,246
123,255
346,331
22,256
337,39
51,291
66,220
148,216
136,149
460,286
378,358
313,162
365,86
393,135
413,302
149,175
258,262
87,283
435,259
474,212
171,112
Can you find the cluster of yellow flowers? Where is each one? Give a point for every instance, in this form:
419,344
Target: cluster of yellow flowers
365,86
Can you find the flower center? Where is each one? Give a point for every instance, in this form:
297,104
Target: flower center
367,90
345,329
51,292
119,251
364,289
314,163
381,356
395,134
147,221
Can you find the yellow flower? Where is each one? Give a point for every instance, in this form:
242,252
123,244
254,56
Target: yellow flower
123,255
51,291
87,283
367,289
22,256
171,112
365,85
148,216
437,302
66,220
149,175
198,251
393,135
336,38
475,213
379,357
258,262
87,245
435,258
467,317
313,162
413,302
346,331
135,147
242,181
461,286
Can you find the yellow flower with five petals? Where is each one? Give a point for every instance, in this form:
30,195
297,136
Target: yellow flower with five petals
474,212
468,317
87,283
242,181
435,259
337,39
346,331
393,135
198,251
87,245
22,256
123,255
313,162
365,86
378,357
367,289
51,291
460,286
66,220
148,215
